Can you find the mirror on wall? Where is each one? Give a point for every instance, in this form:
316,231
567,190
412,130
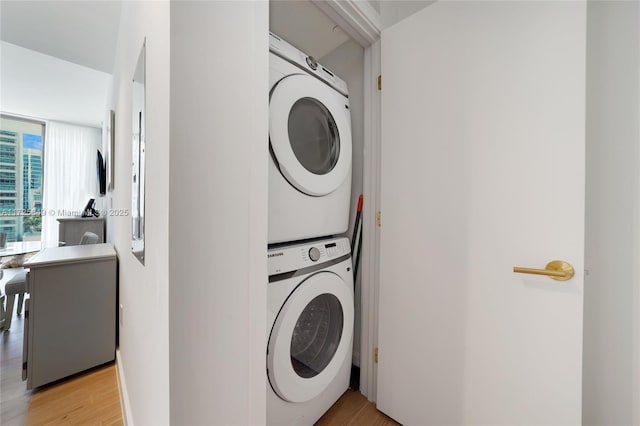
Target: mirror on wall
138,156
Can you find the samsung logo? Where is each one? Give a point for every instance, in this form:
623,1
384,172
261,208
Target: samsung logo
280,253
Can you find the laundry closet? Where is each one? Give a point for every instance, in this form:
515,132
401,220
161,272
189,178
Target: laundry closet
315,34
474,96
315,181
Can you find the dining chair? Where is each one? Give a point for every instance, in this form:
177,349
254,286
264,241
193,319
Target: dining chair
89,238
16,286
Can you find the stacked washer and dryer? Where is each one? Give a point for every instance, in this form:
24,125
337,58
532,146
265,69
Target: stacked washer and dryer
310,290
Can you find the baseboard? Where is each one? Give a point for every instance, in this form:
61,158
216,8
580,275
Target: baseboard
124,395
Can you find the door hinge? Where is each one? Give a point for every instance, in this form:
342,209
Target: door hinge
379,219
375,355
379,82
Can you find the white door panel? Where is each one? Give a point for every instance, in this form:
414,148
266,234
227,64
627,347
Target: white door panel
326,145
482,169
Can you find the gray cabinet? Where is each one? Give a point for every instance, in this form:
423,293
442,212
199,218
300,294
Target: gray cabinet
71,229
70,321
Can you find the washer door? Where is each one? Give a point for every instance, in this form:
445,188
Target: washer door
310,134
310,338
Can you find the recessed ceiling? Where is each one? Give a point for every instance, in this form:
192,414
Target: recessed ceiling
82,32
305,26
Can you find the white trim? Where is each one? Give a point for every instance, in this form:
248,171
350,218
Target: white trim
635,369
371,233
258,225
635,393
363,24
125,405
356,18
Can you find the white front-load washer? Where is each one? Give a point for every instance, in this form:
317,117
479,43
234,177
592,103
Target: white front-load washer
310,147
310,317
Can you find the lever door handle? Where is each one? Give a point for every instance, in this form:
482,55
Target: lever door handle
556,269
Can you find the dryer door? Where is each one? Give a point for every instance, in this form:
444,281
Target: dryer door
311,337
310,134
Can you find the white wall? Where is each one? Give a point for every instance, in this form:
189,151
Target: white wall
41,86
612,287
144,331
218,212
393,11
200,359
311,31
347,62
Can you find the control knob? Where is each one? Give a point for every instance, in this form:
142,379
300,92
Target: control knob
314,254
311,61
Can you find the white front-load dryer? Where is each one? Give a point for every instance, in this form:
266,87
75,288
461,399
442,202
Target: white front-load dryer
310,147
310,317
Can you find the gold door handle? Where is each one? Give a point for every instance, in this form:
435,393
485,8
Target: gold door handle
556,269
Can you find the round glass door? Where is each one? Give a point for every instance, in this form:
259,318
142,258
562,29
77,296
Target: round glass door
316,335
311,337
310,134
314,136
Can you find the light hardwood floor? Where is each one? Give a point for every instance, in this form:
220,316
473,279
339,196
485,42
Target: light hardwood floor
90,398
354,409
14,399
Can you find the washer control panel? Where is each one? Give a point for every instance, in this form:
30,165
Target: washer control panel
314,254
291,258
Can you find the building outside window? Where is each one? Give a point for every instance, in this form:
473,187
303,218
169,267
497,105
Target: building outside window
21,171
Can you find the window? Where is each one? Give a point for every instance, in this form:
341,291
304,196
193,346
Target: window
21,162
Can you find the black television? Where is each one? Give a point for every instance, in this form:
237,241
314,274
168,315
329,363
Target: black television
101,173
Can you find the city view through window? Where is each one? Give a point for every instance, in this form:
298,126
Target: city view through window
21,160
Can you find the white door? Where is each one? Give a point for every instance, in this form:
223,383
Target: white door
311,337
483,139
310,134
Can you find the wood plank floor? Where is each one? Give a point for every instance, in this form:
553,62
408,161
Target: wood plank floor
90,398
14,398
354,409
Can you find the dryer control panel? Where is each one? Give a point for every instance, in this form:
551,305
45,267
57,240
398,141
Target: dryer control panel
298,256
308,63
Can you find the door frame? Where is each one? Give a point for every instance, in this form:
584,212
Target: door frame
370,282
362,23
